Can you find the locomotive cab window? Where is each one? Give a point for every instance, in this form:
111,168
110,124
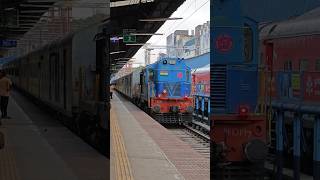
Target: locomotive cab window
151,75
248,43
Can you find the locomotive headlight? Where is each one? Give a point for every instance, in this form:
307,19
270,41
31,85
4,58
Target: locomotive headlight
164,91
156,109
190,109
243,110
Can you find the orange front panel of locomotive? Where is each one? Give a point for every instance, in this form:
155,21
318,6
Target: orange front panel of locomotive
234,134
164,105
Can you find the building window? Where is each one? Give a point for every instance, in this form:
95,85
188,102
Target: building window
304,63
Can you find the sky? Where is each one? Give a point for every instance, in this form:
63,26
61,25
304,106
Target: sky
193,12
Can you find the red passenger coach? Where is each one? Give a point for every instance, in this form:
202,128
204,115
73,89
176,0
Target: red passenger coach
201,81
290,51
201,95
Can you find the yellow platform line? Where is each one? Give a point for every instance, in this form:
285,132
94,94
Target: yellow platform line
8,166
122,168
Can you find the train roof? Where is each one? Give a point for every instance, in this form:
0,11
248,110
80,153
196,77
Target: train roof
55,43
165,60
306,24
202,69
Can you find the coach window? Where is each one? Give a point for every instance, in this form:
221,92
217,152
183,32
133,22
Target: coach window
317,67
248,43
304,65
287,65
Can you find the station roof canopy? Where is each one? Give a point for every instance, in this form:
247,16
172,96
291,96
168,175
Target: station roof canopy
143,17
19,16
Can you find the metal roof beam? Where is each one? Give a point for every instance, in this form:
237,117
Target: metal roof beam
33,11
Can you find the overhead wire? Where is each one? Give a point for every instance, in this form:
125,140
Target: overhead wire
188,6
188,17
184,10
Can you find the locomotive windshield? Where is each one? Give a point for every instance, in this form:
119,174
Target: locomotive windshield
175,83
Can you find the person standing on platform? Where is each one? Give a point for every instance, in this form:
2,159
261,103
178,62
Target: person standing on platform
5,88
111,90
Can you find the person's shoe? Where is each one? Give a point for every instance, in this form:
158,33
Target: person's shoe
7,117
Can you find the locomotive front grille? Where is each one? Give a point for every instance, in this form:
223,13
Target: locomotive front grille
218,87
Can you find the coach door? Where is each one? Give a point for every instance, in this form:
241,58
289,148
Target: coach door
64,72
269,56
142,82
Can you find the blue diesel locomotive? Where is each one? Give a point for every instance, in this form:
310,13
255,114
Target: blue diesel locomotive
162,89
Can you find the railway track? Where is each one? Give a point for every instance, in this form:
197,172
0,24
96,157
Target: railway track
197,140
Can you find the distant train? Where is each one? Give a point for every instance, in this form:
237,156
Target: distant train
201,81
201,93
162,88
290,52
64,77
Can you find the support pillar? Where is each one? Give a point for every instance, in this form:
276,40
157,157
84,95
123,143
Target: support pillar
316,150
279,145
296,145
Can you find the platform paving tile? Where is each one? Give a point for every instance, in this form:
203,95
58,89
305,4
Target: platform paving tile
146,158
188,162
48,152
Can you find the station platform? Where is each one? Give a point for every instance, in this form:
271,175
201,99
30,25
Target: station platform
142,149
38,147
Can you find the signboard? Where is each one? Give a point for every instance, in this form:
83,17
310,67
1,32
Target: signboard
127,37
295,81
164,73
8,43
